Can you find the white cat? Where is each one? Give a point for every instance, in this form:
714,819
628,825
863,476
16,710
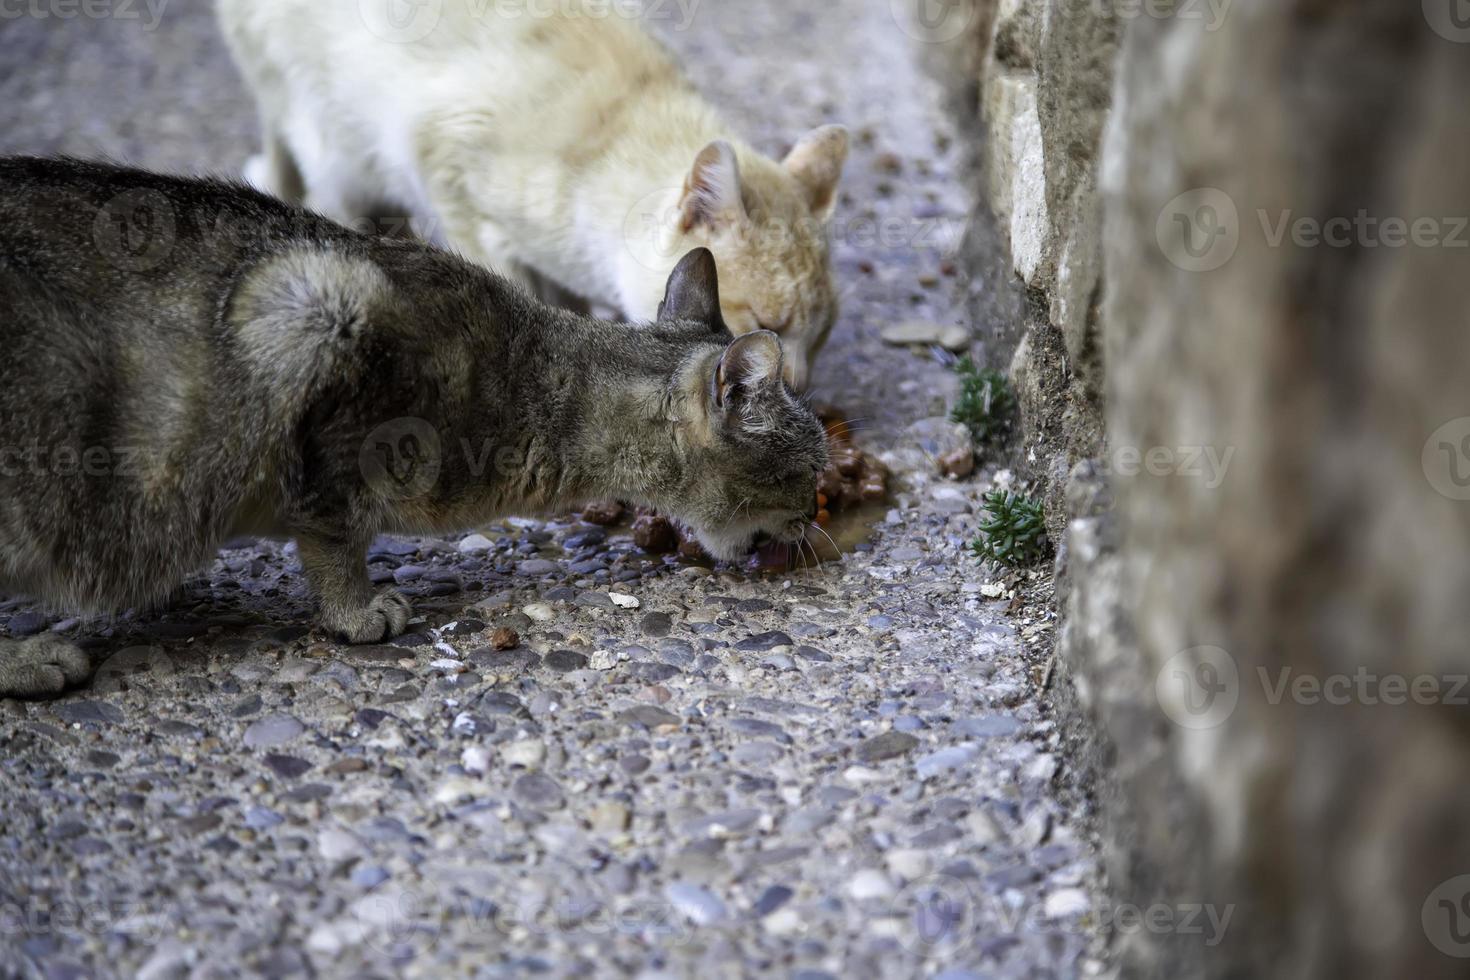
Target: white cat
566,143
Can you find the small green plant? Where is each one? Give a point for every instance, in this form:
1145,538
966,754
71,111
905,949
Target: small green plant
1012,530
985,405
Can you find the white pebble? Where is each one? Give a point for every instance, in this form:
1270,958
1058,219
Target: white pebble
539,611
908,863
475,544
1067,903
623,601
870,883
476,758
451,791
334,844
783,922
527,753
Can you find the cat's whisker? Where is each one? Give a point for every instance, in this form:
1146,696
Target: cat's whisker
837,553
845,428
823,532
803,541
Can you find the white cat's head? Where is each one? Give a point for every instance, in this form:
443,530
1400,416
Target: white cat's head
767,224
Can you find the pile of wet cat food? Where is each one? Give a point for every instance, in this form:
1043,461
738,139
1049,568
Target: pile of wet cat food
852,481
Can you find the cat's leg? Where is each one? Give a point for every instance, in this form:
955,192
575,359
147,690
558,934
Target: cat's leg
337,573
40,667
274,170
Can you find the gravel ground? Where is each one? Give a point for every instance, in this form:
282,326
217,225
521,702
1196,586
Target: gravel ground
845,772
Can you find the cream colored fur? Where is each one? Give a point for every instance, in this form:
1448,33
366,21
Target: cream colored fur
568,145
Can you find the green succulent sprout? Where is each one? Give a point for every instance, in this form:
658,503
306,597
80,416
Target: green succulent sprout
1012,530
985,405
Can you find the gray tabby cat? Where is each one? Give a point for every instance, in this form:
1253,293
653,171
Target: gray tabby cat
188,360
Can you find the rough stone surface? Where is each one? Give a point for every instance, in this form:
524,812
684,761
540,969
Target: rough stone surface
1316,815
672,791
1213,540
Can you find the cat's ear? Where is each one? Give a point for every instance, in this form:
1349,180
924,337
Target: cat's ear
816,162
694,291
712,196
749,365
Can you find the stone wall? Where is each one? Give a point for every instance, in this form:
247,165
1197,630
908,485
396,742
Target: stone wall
1238,228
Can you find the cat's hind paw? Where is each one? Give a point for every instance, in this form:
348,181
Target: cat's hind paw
41,667
382,619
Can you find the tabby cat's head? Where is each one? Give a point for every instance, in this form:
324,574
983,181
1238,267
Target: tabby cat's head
750,450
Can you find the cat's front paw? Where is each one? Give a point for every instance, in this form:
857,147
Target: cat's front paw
41,667
382,619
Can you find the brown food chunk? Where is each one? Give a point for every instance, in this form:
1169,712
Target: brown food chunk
605,513
958,463
655,535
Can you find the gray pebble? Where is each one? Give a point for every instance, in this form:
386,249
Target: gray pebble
273,730
889,745
697,904
539,792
